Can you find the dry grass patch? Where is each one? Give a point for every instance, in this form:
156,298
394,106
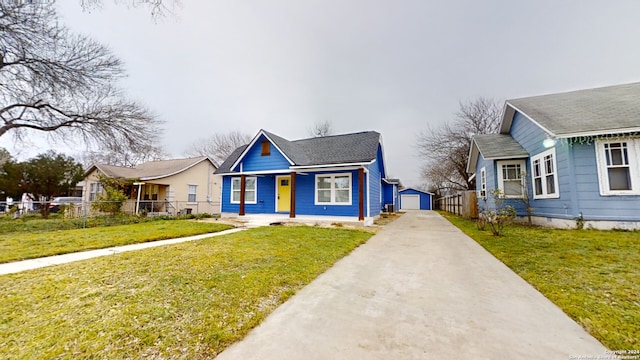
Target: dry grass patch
185,301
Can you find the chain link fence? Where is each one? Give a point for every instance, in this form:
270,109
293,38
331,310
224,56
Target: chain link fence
129,207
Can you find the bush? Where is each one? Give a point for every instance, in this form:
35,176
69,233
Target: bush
496,219
113,198
499,218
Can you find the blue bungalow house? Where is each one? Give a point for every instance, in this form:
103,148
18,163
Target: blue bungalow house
338,176
575,155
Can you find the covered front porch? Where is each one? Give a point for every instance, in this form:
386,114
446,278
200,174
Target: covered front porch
328,193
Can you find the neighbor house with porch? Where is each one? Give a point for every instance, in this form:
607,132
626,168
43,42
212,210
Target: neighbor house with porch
574,155
171,187
339,176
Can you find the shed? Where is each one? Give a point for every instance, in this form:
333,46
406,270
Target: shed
413,199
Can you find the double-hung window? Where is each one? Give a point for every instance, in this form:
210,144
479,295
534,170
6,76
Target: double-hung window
483,183
191,196
250,190
95,190
544,175
618,166
511,178
333,189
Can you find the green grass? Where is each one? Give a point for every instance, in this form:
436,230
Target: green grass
26,245
592,275
35,222
187,301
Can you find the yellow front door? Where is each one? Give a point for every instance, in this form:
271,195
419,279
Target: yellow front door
284,193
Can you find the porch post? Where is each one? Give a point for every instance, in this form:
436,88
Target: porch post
292,195
361,194
243,181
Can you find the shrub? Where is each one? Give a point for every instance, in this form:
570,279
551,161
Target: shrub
499,218
113,198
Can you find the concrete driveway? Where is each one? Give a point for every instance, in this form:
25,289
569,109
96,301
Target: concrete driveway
419,289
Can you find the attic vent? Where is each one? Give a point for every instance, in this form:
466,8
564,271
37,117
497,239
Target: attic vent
266,148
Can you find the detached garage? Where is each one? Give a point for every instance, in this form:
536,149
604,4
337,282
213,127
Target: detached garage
412,199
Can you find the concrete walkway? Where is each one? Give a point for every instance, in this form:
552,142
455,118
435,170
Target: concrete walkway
18,266
419,289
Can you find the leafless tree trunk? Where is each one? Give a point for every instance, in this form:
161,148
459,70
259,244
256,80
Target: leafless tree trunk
63,84
445,149
218,147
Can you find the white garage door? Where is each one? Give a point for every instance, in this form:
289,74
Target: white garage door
410,202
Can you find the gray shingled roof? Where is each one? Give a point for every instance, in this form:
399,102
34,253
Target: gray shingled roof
612,109
150,170
225,167
494,146
338,149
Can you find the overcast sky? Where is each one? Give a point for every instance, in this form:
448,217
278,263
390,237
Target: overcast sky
394,66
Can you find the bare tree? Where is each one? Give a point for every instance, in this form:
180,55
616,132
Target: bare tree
158,8
121,156
63,84
321,129
218,147
445,149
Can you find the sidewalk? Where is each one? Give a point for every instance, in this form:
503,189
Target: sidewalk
418,289
18,266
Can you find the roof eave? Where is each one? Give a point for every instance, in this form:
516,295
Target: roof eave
599,132
384,162
414,189
301,167
507,157
161,176
509,113
472,159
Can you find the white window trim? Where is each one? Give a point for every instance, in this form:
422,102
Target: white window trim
95,191
483,183
189,193
333,197
633,152
499,165
255,201
544,174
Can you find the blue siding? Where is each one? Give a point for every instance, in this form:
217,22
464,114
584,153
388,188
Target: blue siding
375,182
390,195
492,183
381,163
577,180
530,136
265,204
254,161
577,175
305,197
591,204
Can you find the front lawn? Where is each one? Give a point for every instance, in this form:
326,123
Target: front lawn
27,245
188,301
592,275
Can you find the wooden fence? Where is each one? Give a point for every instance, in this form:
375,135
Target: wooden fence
463,203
